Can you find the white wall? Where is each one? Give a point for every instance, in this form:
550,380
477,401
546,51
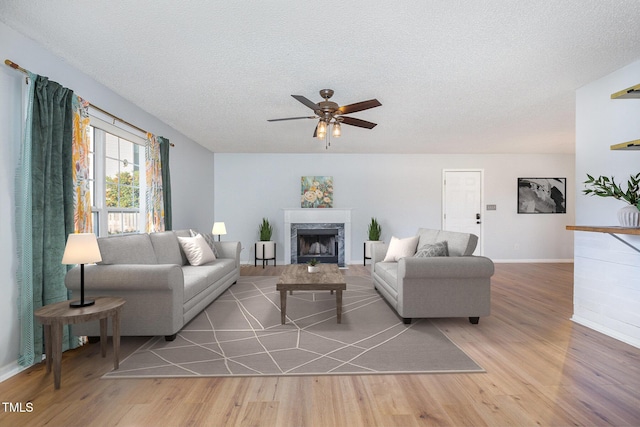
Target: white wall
403,192
191,165
607,272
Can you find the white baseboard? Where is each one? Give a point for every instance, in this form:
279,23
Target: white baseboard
506,261
608,332
10,370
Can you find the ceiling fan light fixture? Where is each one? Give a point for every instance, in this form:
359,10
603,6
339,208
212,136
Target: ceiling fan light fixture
336,131
322,129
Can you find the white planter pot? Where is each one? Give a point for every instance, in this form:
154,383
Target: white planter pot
368,246
313,268
265,250
629,216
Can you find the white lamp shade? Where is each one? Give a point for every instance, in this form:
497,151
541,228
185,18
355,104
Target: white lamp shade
219,228
82,248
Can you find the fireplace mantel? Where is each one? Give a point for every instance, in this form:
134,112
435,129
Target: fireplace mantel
317,216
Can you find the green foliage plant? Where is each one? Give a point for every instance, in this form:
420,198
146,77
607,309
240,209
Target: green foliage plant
375,231
606,187
312,262
265,230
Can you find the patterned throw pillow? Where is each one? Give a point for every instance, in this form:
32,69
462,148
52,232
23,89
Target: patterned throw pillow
208,237
436,249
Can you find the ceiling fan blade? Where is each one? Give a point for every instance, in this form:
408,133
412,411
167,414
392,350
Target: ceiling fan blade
307,102
358,122
359,106
315,131
292,118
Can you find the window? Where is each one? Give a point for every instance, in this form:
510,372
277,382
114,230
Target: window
117,159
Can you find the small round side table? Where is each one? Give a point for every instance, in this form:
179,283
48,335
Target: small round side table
54,316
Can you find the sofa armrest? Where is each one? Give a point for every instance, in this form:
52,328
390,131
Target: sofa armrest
445,267
123,277
229,250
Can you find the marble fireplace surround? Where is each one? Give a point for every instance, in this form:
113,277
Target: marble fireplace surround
295,219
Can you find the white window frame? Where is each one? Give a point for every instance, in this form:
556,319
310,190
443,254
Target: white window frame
101,227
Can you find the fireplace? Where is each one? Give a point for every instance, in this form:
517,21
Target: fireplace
322,241
332,246
319,244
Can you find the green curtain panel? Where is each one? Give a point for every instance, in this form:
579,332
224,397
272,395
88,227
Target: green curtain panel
51,196
166,180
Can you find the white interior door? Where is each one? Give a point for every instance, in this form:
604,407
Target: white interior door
462,202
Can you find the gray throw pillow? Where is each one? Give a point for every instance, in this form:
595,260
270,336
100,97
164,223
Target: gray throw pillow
208,237
436,249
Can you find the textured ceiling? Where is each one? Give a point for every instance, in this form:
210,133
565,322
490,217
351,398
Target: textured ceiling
453,76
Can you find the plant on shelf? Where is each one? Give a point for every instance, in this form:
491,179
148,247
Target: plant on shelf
313,262
375,231
265,230
603,186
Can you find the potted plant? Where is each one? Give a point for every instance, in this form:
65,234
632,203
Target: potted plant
312,266
265,248
374,233
603,186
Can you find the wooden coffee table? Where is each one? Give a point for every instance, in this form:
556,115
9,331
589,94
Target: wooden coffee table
295,277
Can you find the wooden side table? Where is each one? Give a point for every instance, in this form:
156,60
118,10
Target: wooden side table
54,316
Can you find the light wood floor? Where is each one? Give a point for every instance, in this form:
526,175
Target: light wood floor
542,369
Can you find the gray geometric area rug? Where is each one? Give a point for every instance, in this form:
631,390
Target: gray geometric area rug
240,334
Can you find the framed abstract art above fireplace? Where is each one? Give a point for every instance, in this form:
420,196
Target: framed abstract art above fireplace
317,192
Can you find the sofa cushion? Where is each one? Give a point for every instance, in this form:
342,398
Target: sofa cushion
436,249
459,244
197,279
401,248
197,250
427,236
388,271
166,246
129,249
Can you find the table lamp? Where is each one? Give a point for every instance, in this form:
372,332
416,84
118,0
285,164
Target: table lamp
219,228
81,248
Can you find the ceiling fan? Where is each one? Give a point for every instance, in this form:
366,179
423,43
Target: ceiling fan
328,113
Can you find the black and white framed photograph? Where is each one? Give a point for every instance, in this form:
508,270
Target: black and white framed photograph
542,195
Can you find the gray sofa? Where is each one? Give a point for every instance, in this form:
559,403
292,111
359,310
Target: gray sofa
458,285
161,289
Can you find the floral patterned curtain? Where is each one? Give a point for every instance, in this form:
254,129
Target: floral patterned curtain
82,217
155,202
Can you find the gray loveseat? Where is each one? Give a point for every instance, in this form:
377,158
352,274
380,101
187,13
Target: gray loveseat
151,272
458,285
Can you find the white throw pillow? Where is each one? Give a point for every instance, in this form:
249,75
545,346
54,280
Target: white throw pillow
196,249
401,248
